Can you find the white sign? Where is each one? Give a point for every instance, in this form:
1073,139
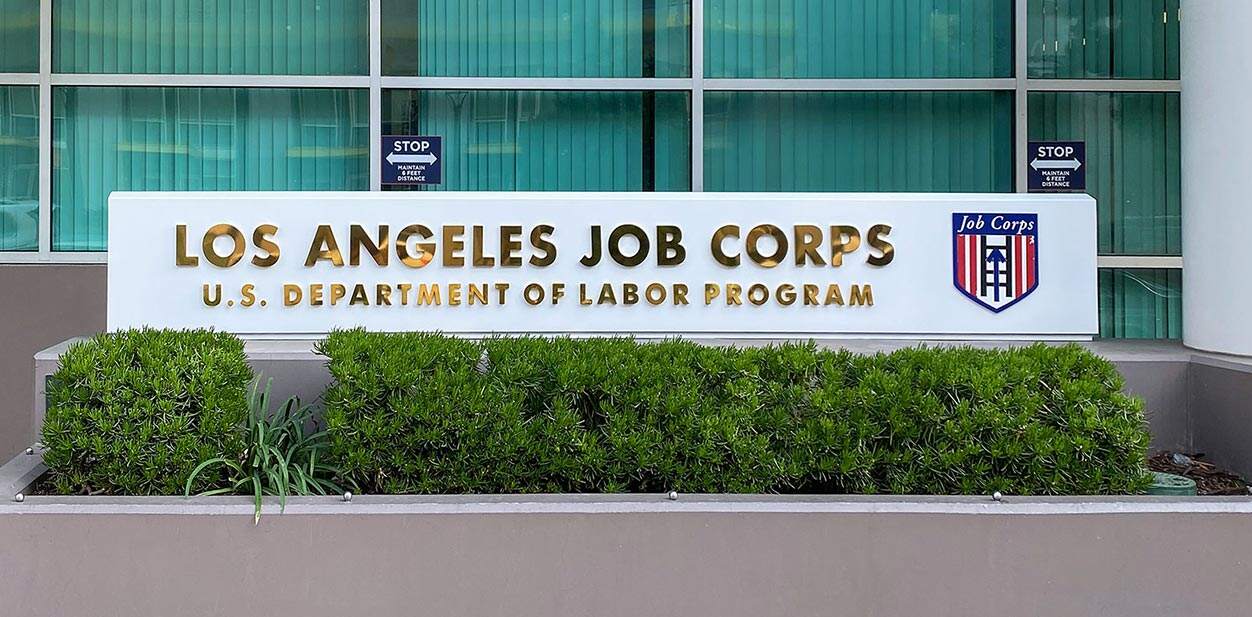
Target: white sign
854,265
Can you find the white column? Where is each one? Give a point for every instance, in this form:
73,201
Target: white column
1217,175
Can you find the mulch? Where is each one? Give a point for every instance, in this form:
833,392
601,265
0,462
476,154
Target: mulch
1209,478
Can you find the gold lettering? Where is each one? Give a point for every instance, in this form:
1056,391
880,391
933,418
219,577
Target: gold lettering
593,257
786,294
834,296
844,239
630,294
425,250
181,258
780,245
533,294
810,296
680,294
337,292
382,296
669,247
482,260
862,295
615,245
733,290
454,294
758,294
291,294
315,294
719,237
428,295
510,246
655,294
453,245
261,238
217,295
359,297
478,294
711,291
539,239
248,293
358,239
606,295
808,245
210,252
324,247
886,252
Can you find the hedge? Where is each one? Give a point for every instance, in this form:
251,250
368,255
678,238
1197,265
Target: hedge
431,414
134,412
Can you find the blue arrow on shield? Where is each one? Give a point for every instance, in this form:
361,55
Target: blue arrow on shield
996,257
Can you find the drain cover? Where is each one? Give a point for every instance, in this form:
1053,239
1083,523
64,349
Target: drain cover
1170,484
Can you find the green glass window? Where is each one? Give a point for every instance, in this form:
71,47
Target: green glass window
1133,162
537,38
858,141
1103,39
1141,304
216,37
529,140
19,36
198,139
858,38
19,168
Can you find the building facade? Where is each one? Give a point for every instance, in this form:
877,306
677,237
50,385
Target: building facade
99,96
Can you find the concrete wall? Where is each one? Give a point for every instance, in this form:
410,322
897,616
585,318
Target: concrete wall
1216,157
628,559
40,305
1221,404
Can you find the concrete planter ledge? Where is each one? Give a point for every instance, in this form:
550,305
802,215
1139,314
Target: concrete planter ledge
631,504
23,470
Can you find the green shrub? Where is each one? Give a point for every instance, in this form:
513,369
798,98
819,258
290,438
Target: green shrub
134,412
426,413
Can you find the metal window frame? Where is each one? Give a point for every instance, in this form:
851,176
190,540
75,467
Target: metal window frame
696,85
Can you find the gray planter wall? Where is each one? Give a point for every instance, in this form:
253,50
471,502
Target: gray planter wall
627,557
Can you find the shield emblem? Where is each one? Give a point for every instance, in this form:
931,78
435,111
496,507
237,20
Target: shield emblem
995,257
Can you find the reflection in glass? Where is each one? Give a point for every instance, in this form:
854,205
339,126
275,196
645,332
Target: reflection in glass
197,139
211,37
1103,39
19,168
530,140
858,38
1141,304
19,36
537,38
858,141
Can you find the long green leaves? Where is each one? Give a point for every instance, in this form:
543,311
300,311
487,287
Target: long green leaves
282,456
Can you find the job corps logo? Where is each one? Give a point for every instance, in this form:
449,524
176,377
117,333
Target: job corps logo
995,257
